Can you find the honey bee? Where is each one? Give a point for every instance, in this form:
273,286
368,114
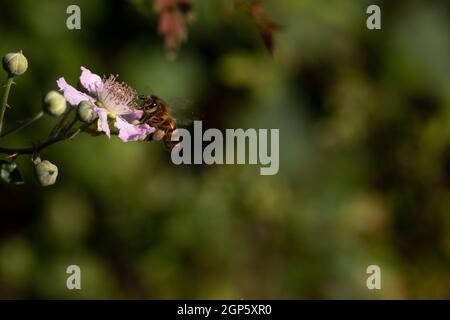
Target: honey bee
158,114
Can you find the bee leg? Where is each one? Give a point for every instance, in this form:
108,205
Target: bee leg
158,135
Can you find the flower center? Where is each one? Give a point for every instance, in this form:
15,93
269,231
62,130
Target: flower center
101,104
116,97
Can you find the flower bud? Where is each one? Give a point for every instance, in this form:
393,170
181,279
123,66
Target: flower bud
54,103
15,63
85,112
46,173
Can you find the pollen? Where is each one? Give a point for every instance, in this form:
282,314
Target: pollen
116,95
120,92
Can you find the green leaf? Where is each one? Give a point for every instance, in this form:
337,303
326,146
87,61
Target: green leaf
9,173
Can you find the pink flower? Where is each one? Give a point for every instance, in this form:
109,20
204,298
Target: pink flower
172,26
109,99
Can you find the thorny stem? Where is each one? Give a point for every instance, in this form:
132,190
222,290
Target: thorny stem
8,85
31,150
24,124
71,124
50,141
57,129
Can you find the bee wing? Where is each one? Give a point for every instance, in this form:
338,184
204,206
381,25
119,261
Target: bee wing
185,122
181,105
183,111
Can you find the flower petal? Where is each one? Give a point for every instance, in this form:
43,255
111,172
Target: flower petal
72,95
102,120
130,132
132,115
91,82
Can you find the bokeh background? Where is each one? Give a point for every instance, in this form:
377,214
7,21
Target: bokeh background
364,158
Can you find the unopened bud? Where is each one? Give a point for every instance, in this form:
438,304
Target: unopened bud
15,63
54,103
46,173
85,112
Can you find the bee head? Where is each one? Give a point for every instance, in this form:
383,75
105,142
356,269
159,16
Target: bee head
149,102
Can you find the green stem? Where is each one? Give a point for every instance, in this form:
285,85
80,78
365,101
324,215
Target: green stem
57,129
71,124
24,124
31,150
8,85
50,141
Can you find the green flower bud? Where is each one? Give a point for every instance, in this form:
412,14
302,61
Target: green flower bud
15,63
46,173
54,103
85,112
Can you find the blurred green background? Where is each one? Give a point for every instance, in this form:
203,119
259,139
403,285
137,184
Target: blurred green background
364,156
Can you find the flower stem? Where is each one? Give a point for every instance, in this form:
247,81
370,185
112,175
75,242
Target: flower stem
57,129
24,124
5,97
31,150
71,124
50,141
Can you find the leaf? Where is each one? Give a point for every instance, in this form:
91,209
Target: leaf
9,173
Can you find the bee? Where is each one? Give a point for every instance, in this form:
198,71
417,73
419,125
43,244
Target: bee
158,114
